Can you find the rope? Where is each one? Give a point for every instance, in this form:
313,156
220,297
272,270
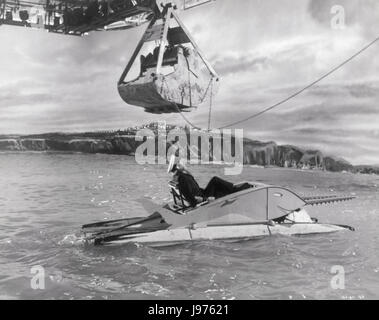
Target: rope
206,91
184,117
210,85
178,109
210,109
210,106
303,89
189,78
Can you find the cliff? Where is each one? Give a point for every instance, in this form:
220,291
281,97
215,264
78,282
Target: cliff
368,169
260,153
116,145
255,152
17,144
269,153
332,164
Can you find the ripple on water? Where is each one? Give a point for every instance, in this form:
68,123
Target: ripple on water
49,196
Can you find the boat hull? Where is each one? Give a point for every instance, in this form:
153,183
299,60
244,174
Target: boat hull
238,232
255,212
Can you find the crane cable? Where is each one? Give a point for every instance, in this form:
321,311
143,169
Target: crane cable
184,117
210,85
303,89
175,105
210,107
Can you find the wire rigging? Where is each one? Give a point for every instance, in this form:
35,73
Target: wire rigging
210,107
184,117
255,115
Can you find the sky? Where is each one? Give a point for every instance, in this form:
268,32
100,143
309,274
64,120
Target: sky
263,50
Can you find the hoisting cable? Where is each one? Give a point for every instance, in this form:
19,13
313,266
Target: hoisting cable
210,106
189,79
184,117
210,85
175,105
210,109
255,115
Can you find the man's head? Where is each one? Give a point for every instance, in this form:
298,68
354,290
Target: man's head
174,166
174,169
177,168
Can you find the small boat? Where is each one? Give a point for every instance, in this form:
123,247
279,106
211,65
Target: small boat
258,211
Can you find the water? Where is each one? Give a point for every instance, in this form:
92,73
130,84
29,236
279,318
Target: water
46,197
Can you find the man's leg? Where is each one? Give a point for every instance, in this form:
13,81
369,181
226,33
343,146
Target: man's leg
242,187
218,188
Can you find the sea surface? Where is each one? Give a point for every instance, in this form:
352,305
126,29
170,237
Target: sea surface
46,197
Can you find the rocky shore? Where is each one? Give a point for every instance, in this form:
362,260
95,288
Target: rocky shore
255,152
117,145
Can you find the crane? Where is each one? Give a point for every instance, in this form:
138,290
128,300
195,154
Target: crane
174,77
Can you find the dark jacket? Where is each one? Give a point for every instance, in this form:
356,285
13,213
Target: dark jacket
188,187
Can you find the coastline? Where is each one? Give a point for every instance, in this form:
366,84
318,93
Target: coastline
256,154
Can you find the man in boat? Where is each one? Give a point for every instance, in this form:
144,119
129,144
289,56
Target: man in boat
191,191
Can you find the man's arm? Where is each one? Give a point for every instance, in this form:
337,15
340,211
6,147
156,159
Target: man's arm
189,189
